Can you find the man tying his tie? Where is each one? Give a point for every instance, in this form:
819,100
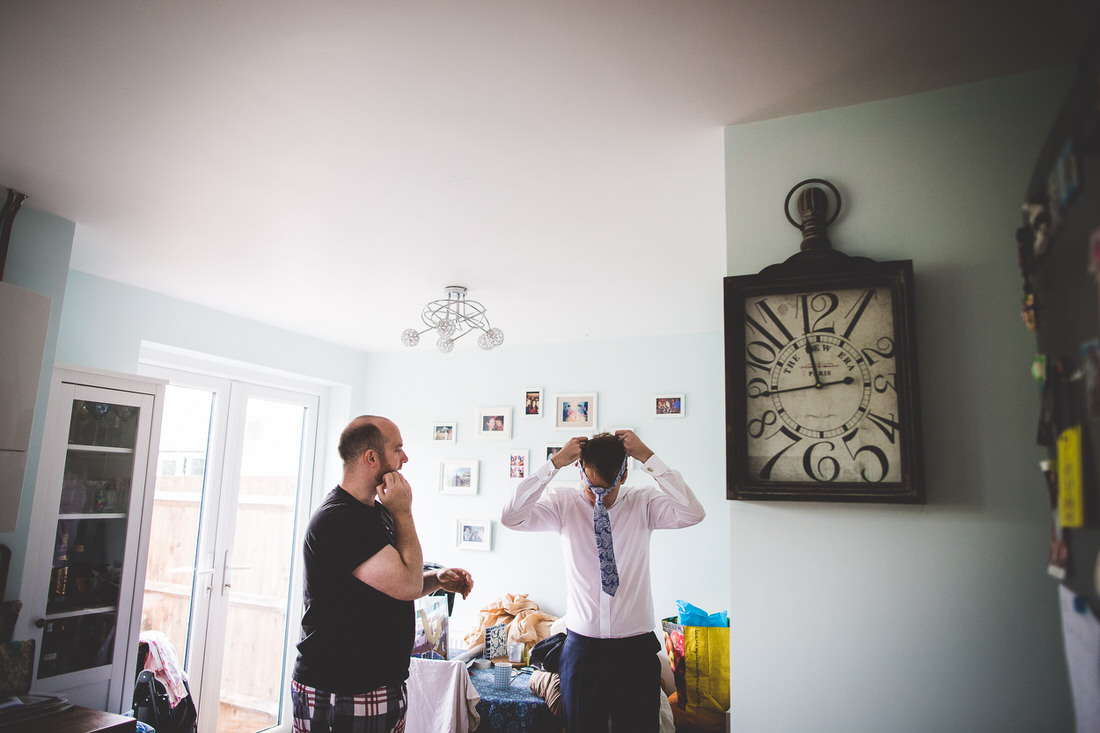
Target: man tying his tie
608,668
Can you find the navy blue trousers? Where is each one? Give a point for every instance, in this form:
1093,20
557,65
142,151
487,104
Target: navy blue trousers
610,679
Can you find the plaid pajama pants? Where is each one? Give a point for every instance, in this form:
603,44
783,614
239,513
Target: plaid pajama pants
378,711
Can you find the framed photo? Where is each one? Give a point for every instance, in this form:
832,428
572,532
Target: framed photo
553,448
668,405
475,534
443,432
532,402
519,463
458,477
575,411
495,422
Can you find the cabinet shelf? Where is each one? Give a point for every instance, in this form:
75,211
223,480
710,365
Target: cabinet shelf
97,448
73,613
93,515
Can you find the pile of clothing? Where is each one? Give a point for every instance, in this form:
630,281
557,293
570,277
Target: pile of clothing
526,623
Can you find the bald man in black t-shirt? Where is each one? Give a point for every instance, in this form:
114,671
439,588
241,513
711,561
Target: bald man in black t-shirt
363,570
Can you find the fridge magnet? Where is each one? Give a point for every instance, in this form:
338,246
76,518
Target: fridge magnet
1064,178
495,422
1040,221
532,402
1058,555
443,432
1071,507
1039,369
1029,311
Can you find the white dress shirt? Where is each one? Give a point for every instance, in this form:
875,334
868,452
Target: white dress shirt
635,514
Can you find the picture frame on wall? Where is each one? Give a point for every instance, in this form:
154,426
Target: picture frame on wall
532,402
668,405
458,477
495,423
519,464
576,411
444,432
552,448
475,534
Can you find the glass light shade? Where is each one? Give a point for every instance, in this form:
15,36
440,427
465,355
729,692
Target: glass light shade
410,337
445,329
496,336
445,345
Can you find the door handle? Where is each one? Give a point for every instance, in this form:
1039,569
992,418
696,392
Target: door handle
209,572
226,567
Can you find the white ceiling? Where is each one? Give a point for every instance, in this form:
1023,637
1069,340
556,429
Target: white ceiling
329,166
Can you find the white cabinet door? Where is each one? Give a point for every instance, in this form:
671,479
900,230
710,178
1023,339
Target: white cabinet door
90,531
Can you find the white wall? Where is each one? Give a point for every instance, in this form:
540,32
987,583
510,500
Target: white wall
927,618
418,387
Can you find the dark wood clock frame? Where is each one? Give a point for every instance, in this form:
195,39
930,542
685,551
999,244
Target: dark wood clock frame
822,269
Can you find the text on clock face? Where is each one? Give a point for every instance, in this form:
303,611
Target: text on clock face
821,383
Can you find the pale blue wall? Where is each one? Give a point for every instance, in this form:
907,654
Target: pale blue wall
418,387
926,618
38,260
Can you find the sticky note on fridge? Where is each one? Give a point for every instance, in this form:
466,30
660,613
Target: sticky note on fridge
1071,508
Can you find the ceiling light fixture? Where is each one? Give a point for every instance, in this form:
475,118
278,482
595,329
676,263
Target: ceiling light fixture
452,318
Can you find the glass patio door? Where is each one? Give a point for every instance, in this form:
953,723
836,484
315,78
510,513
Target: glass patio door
233,487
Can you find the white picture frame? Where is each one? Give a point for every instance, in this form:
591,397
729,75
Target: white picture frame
475,534
519,464
495,423
575,411
444,432
551,449
458,477
532,402
668,404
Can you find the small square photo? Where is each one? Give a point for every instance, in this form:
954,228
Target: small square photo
475,534
443,432
458,477
668,405
495,422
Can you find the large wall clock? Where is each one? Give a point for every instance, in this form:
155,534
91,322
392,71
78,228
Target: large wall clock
822,400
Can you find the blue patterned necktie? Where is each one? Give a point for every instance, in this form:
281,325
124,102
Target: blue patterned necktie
609,572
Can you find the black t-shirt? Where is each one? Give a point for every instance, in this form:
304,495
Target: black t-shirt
354,638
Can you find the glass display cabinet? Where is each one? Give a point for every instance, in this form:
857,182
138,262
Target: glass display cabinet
89,538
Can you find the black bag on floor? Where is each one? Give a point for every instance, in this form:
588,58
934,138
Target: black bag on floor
151,706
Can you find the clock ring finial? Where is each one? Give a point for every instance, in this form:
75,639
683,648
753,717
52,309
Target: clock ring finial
813,207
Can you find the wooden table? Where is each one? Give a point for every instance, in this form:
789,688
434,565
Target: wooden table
76,720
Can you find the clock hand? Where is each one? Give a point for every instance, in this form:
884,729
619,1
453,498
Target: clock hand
813,363
819,385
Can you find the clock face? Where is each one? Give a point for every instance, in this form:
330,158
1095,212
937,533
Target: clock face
820,381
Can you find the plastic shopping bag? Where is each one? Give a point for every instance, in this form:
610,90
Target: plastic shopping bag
700,657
